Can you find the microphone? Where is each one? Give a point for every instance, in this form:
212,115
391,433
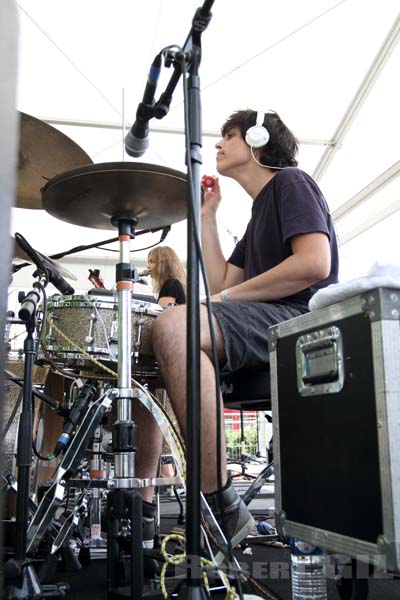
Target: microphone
43,264
137,139
144,273
80,406
29,304
57,280
27,248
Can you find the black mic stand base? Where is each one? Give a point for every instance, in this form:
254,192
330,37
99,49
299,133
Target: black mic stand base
192,593
25,584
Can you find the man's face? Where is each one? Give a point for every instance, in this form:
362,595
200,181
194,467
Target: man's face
233,153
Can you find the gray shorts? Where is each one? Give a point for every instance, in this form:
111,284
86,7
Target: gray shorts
244,326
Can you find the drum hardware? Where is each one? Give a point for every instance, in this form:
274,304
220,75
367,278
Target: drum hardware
96,470
124,504
12,485
68,467
59,534
13,397
74,453
35,392
60,542
20,576
123,486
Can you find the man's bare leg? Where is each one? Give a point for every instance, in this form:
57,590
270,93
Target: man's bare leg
149,443
169,340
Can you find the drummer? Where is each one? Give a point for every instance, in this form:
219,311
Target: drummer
168,275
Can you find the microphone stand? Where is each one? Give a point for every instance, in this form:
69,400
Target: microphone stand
19,572
193,588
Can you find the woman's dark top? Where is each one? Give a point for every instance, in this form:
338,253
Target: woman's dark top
174,289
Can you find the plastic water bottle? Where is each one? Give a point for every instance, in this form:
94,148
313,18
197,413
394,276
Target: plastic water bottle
307,571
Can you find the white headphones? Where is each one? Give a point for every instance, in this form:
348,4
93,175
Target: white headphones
257,136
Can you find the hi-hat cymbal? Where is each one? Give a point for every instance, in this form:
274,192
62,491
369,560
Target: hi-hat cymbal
20,256
44,152
92,195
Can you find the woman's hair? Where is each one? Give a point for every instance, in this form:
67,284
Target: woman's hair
282,147
167,266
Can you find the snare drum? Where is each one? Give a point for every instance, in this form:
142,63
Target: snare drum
82,327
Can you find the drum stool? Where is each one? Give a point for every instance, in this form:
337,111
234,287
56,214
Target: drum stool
249,389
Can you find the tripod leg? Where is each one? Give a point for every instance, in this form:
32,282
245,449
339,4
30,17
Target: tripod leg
257,484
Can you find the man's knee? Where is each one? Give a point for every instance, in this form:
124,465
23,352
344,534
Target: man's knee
169,328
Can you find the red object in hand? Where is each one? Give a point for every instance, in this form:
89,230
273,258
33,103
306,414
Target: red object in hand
208,182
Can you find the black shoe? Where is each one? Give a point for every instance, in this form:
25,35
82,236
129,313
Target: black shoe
237,517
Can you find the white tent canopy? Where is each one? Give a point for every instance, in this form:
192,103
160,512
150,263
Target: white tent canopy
329,68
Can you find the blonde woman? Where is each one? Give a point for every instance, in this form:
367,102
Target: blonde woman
168,275
169,284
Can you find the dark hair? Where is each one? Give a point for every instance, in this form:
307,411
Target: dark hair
282,147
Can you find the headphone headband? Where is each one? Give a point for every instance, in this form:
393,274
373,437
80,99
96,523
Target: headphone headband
260,118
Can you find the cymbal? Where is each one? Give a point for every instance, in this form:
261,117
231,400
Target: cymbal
92,195
44,152
21,256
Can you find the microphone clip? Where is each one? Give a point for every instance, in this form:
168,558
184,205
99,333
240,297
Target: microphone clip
145,112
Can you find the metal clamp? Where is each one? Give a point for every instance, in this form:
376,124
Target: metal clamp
319,362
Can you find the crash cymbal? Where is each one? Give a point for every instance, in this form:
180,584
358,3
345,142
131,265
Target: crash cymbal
92,195
20,256
44,152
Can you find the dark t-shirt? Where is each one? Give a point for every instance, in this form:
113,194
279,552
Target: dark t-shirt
174,289
290,204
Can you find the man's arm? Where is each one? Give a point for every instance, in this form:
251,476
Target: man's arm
221,274
309,263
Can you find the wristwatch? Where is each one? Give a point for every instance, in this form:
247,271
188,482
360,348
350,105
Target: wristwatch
225,295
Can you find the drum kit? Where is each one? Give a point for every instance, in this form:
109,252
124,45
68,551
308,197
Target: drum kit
97,341
83,337
100,343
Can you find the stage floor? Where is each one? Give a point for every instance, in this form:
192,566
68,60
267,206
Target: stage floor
269,564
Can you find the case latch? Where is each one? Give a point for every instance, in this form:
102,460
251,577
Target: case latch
319,362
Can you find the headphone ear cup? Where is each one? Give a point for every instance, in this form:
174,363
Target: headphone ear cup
257,136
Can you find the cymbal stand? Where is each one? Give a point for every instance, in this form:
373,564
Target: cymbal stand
124,504
20,576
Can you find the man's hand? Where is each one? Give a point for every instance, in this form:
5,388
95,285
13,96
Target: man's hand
211,196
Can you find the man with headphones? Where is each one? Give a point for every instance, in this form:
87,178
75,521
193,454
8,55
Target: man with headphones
287,253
